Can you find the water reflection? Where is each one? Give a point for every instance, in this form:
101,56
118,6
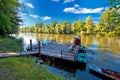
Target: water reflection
98,42
81,73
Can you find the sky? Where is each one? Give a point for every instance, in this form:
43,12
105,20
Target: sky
47,11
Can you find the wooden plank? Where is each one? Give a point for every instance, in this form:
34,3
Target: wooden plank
58,55
8,54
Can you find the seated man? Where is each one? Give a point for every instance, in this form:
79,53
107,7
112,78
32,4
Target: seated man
76,45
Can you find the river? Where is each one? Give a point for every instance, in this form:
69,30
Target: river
107,46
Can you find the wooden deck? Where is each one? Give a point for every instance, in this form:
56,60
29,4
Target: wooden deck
55,50
58,51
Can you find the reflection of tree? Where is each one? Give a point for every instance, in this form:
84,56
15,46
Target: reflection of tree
103,42
87,41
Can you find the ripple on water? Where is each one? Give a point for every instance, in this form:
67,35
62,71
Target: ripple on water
105,59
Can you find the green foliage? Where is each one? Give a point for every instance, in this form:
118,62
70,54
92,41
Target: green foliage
89,25
98,28
9,19
115,4
107,20
10,44
23,68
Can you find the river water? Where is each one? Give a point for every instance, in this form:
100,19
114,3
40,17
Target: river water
108,49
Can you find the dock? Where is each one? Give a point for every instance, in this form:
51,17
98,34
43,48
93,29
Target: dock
52,49
58,50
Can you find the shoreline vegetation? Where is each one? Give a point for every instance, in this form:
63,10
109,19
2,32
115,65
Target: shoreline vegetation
106,26
10,44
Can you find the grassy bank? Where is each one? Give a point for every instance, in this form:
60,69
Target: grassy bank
10,44
24,68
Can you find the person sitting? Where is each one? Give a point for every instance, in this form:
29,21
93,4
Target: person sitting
77,43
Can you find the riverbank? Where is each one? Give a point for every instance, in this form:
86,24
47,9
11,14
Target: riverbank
24,68
9,44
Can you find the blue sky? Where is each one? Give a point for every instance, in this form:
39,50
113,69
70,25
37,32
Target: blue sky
47,11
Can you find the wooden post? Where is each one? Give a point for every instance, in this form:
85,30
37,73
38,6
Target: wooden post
61,54
39,48
30,45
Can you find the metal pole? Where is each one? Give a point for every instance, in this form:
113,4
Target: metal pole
61,54
30,45
74,56
39,48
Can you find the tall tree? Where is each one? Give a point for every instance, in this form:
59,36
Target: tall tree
53,29
68,29
116,5
80,25
107,20
58,29
9,18
97,28
63,27
89,25
73,27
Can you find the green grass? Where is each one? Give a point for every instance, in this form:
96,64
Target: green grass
10,44
24,68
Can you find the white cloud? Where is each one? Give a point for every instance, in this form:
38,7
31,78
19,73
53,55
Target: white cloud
76,5
68,1
29,5
34,16
56,1
78,10
45,18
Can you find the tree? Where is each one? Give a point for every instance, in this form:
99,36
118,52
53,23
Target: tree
38,27
80,25
89,25
68,30
47,28
107,20
58,29
53,24
73,27
15,20
63,27
115,4
98,28
9,18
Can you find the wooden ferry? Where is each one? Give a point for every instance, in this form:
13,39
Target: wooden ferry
106,73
